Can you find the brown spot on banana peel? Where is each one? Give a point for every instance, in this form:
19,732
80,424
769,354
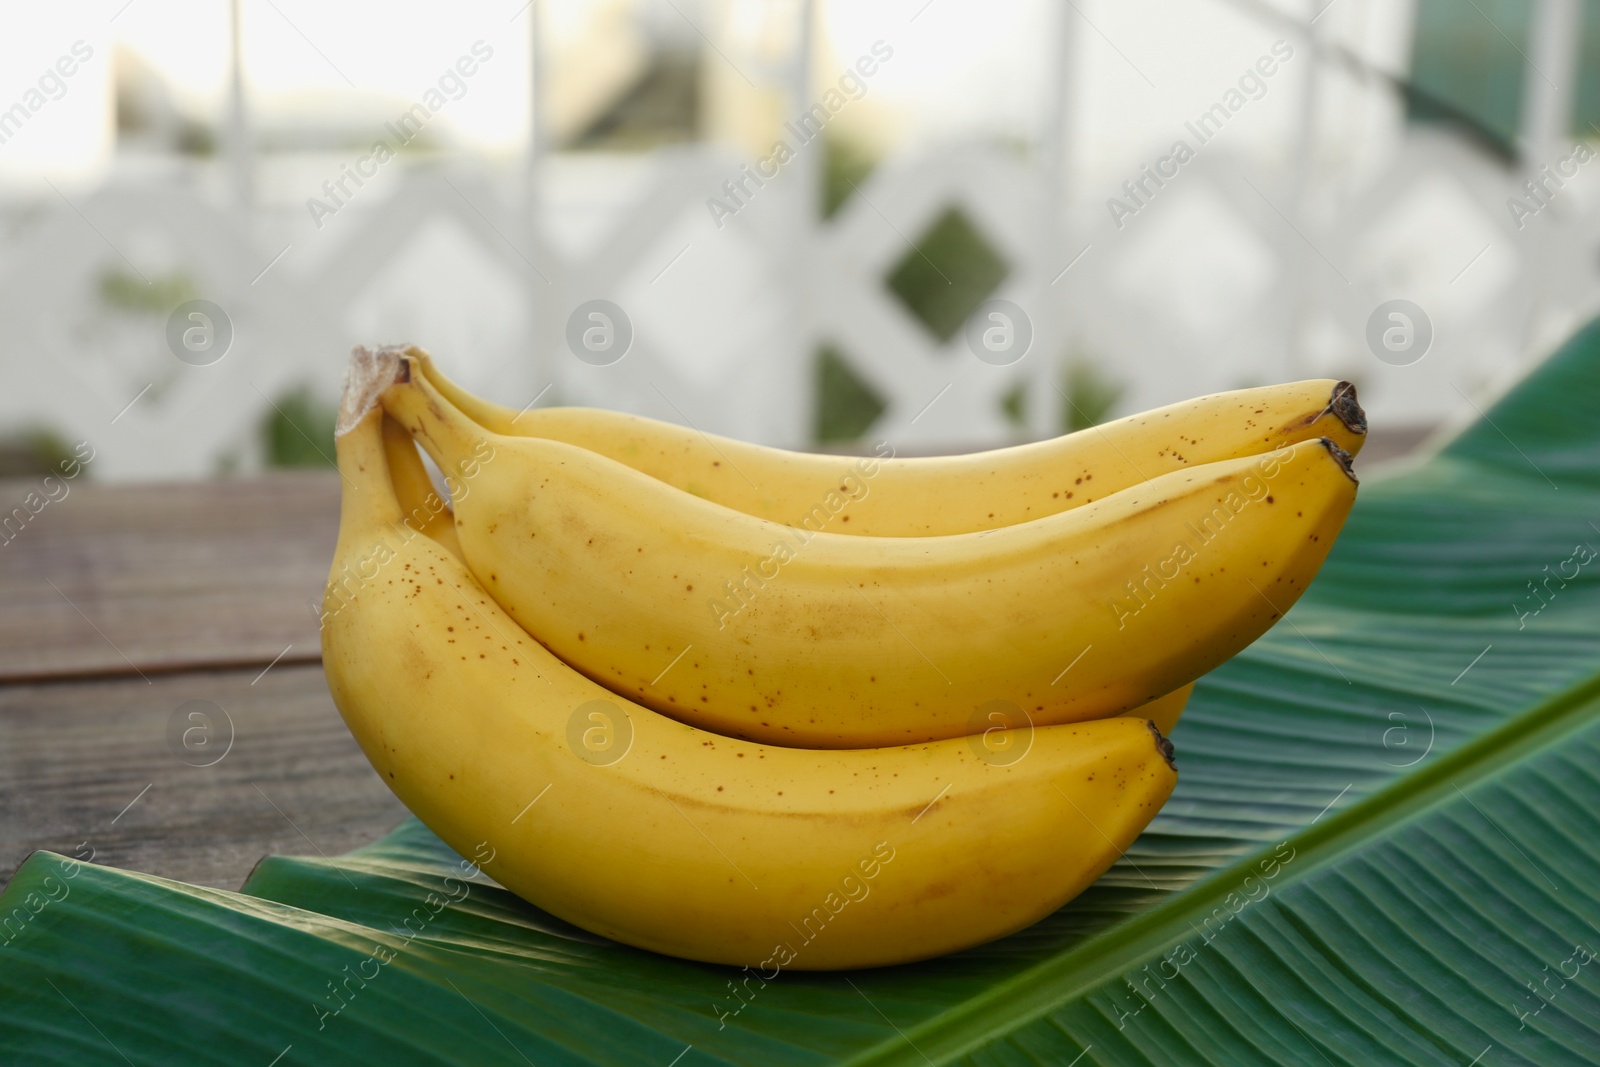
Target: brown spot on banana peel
1343,406
1341,457
1163,746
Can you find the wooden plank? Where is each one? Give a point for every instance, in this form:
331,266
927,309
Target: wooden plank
99,765
154,578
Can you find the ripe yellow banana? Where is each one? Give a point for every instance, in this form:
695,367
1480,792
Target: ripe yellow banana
945,495
642,829
771,633
427,512
1164,712
645,440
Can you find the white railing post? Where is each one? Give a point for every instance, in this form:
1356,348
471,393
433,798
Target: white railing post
1549,83
1053,329
1299,256
1549,80
547,299
795,398
241,155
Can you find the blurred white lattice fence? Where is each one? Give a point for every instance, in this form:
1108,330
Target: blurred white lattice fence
1220,282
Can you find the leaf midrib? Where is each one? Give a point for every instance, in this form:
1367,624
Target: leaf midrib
1034,992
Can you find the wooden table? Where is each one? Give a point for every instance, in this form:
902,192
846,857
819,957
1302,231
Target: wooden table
120,606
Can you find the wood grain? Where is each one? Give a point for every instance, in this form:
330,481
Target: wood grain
157,578
74,755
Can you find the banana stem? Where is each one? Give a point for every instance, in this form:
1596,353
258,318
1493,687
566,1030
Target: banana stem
494,417
424,509
443,431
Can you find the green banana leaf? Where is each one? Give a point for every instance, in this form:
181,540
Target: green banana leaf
1384,847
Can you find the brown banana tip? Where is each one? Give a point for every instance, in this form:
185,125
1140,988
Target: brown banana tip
1341,457
1344,406
1163,746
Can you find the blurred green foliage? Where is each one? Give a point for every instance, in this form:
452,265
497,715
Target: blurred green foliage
846,406
298,431
197,139
126,291
846,164
1091,396
1014,406
34,452
947,274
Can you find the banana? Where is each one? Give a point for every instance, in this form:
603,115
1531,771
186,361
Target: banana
890,497
642,829
1164,712
426,511
619,436
776,634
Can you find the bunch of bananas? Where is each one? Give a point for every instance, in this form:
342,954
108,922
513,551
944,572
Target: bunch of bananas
782,710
